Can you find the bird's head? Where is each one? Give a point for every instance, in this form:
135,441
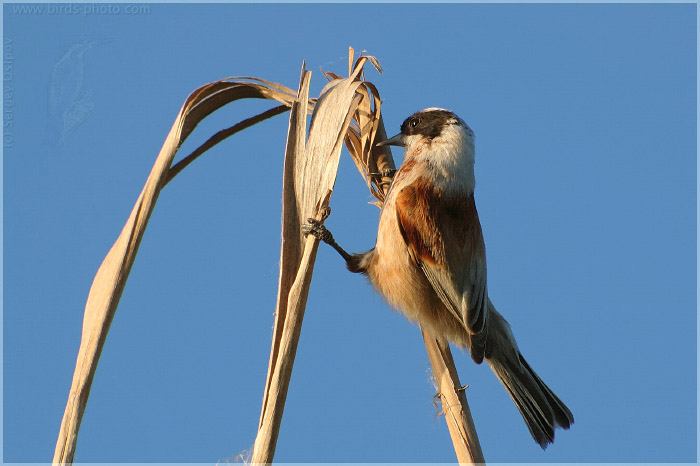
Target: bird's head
431,126
442,144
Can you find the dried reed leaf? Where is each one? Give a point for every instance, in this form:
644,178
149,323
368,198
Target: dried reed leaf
220,136
310,172
291,250
371,161
111,277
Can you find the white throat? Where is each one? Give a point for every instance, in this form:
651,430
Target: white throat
450,156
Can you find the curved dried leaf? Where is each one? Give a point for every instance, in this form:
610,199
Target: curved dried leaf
112,275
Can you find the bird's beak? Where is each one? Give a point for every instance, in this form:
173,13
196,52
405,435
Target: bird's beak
397,140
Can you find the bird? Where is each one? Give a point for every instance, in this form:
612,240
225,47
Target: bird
70,101
429,260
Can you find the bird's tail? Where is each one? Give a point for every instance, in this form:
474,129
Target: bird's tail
541,409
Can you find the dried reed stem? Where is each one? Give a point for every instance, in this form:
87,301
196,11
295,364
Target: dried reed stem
310,169
454,402
292,289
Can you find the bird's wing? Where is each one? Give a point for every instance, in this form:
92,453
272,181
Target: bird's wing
443,235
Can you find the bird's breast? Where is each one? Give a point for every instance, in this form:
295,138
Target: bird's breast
394,270
394,273
422,225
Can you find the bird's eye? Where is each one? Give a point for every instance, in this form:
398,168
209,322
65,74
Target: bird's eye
414,122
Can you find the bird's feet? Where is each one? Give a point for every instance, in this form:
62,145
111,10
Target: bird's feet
385,173
316,228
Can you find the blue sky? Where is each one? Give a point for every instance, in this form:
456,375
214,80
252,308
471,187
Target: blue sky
585,122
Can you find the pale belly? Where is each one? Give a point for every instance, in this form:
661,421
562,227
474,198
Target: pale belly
395,275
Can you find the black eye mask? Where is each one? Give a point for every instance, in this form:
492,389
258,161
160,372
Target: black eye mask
427,124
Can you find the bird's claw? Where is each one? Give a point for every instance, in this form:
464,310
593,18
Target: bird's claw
316,228
385,173
325,213
388,172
